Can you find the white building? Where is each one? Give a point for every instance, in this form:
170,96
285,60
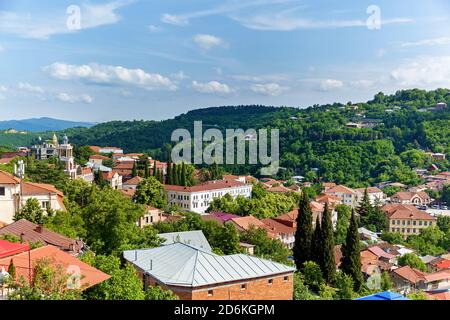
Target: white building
197,198
114,179
65,154
14,194
348,196
376,195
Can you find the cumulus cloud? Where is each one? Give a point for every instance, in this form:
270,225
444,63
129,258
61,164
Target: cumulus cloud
269,89
423,72
207,41
44,26
114,75
70,98
330,84
212,87
25,86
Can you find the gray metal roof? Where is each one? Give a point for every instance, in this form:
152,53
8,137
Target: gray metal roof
193,238
179,264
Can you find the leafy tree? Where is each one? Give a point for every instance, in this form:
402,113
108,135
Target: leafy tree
386,281
417,295
351,259
392,237
228,238
301,290
312,275
445,197
344,285
124,283
343,220
429,241
317,248
134,171
31,211
413,261
12,270
151,192
303,235
69,223
327,292
443,223
158,293
327,241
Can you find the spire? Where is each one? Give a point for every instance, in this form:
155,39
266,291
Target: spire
55,140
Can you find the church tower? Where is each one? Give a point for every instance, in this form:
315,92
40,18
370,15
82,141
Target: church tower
65,153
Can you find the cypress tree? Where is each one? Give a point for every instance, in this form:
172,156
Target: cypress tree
351,259
175,175
12,270
365,208
328,262
183,175
169,173
303,235
316,244
155,173
147,168
134,172
179,173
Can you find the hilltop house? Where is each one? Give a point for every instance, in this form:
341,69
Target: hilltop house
196,274
15,192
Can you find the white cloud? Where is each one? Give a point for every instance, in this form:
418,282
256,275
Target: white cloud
42,27
25,86
261,78
3,89
106,74
154,29
362,84
212,87
428,42
269,89
174,20
65,97
330,84
179,76
424,72
207,41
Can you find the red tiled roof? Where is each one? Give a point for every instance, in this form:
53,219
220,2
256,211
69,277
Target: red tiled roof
30,232
403,195
95,149
438,276
443,264
133,181
7,178
128,193
327,198
6,160
210,185
340,189
98,157
403,211
369,190
90,276
9,249
125,165
278,227
380,252
412,275
439,295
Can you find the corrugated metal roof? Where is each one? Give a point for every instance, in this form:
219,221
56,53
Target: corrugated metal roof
193,238
180,264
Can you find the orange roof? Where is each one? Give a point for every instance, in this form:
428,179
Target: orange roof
279,189
90,276
317,207
7,178
403,211
409,195
443,264
246,223
95,149
128,193
6,160
98,157
410,274
278,227
329,184
340,189
291,216
127,165
210,185
439,296
327,198
32,189
438,276
133,181
369,190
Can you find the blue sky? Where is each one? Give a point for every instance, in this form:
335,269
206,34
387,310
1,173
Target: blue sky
147,59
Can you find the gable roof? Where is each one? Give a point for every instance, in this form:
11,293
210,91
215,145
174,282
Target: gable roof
340,189
90,276
380,253
403,211
410,274
369,190
182,265
30,232
405,195
133,181
278,227
7,178
192,238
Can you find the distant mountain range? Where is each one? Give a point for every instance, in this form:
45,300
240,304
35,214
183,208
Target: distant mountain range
42,124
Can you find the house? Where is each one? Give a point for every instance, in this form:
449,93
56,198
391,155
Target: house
376,196
14,193
97,159
132,183
438,295
367,235
114,179
125,169
382,255
328,185
416,198
29,232
283,233
348,196
151,216
45,150
197,198
407,219
86,174
332,201
26,261
192,238
249,222
438,280
407,279
384,296
196,274
9,249
438,264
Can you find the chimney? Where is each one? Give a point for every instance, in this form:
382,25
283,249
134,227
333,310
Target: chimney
38,229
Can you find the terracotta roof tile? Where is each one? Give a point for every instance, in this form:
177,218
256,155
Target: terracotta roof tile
211,185
403,211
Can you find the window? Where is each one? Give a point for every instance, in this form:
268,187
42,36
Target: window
45,204
270,282
2,191
210,293
243,286
286,279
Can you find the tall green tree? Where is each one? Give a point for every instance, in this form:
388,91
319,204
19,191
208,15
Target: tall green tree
316,244
328,262
169,179
175,172
351,259
151,192
303,235
155,169
183,175
134,171
12,269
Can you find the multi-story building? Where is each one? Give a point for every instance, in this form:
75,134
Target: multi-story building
45,150
113,178
65,155
195,274
14,193
407,219
416,198
198,198
376,195
348,196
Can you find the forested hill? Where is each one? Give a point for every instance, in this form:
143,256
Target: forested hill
401,127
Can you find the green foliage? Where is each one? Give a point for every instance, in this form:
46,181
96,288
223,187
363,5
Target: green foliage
343,219
304,232
386,281
301,290
328,265
157,293
312,275
413,261
68,223
371,217
445,197
344,285
12,270
82,154
392,237
151,192
46,171
417,295
124,283
443,223
351,259
429,241
31,211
